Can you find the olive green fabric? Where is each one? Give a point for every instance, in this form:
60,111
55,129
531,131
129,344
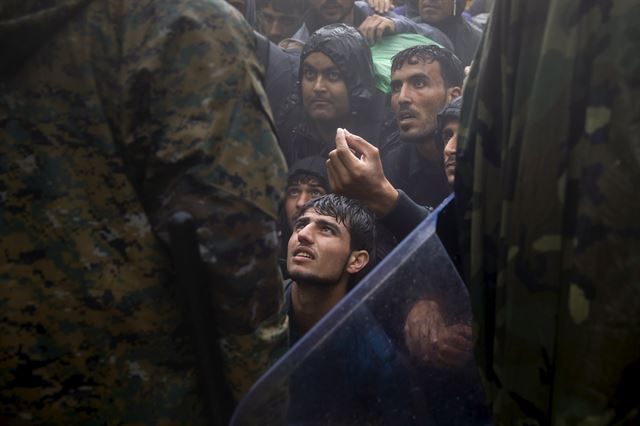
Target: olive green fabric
547,190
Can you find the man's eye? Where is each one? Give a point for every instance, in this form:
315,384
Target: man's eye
395,88
334,76
291,193
446,135
309,74
327,230
420,83
316,193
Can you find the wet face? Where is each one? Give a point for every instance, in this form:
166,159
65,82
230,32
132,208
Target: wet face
318,250
331,11
324,90
435,11
299,193
276,25
417,95
450,139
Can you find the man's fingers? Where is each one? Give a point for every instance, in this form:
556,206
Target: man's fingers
341,141
337,166
360,145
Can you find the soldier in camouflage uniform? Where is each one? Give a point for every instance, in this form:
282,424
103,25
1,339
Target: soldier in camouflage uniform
113,115
548,174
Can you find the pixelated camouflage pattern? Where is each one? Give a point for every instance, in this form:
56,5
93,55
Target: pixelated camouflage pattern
113,115
547,183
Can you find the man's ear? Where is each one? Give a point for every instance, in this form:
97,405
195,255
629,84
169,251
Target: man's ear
453,92
357,261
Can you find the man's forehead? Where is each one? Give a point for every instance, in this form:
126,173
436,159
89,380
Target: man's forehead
415,66
318,60
314,216
308,181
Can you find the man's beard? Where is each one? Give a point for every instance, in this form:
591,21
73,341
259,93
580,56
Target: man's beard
314,280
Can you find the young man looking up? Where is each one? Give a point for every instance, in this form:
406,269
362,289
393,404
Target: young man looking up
331,241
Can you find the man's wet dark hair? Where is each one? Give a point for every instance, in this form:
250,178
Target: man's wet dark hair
358,220
450,66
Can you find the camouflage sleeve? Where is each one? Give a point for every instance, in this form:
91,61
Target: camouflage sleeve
199,138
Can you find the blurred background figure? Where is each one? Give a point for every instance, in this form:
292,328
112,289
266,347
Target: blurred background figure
546,185
448,125
279,19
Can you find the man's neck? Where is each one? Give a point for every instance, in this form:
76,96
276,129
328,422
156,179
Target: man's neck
311,302
428,149
327,132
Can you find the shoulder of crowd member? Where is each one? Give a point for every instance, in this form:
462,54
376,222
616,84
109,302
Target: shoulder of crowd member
199,138
194,62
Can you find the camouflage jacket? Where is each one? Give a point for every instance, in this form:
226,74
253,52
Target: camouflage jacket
113,115
547,183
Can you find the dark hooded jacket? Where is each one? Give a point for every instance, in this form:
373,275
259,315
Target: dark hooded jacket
350,53
464,36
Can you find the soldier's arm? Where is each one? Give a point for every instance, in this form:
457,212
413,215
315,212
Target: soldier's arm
200,139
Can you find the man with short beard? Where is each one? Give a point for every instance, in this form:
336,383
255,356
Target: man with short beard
409,172
330,243
328,250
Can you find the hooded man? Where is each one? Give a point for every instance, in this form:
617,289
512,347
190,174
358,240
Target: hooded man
446,15
336,89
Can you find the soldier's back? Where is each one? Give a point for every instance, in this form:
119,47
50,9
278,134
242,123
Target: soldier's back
91,332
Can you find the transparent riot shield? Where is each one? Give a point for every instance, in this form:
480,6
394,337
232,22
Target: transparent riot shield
395,351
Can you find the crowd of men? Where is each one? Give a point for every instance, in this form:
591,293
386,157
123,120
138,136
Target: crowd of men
293,144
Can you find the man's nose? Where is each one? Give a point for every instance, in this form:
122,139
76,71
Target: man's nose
275,28
404,95
303,198
451,146
305,234
319,85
